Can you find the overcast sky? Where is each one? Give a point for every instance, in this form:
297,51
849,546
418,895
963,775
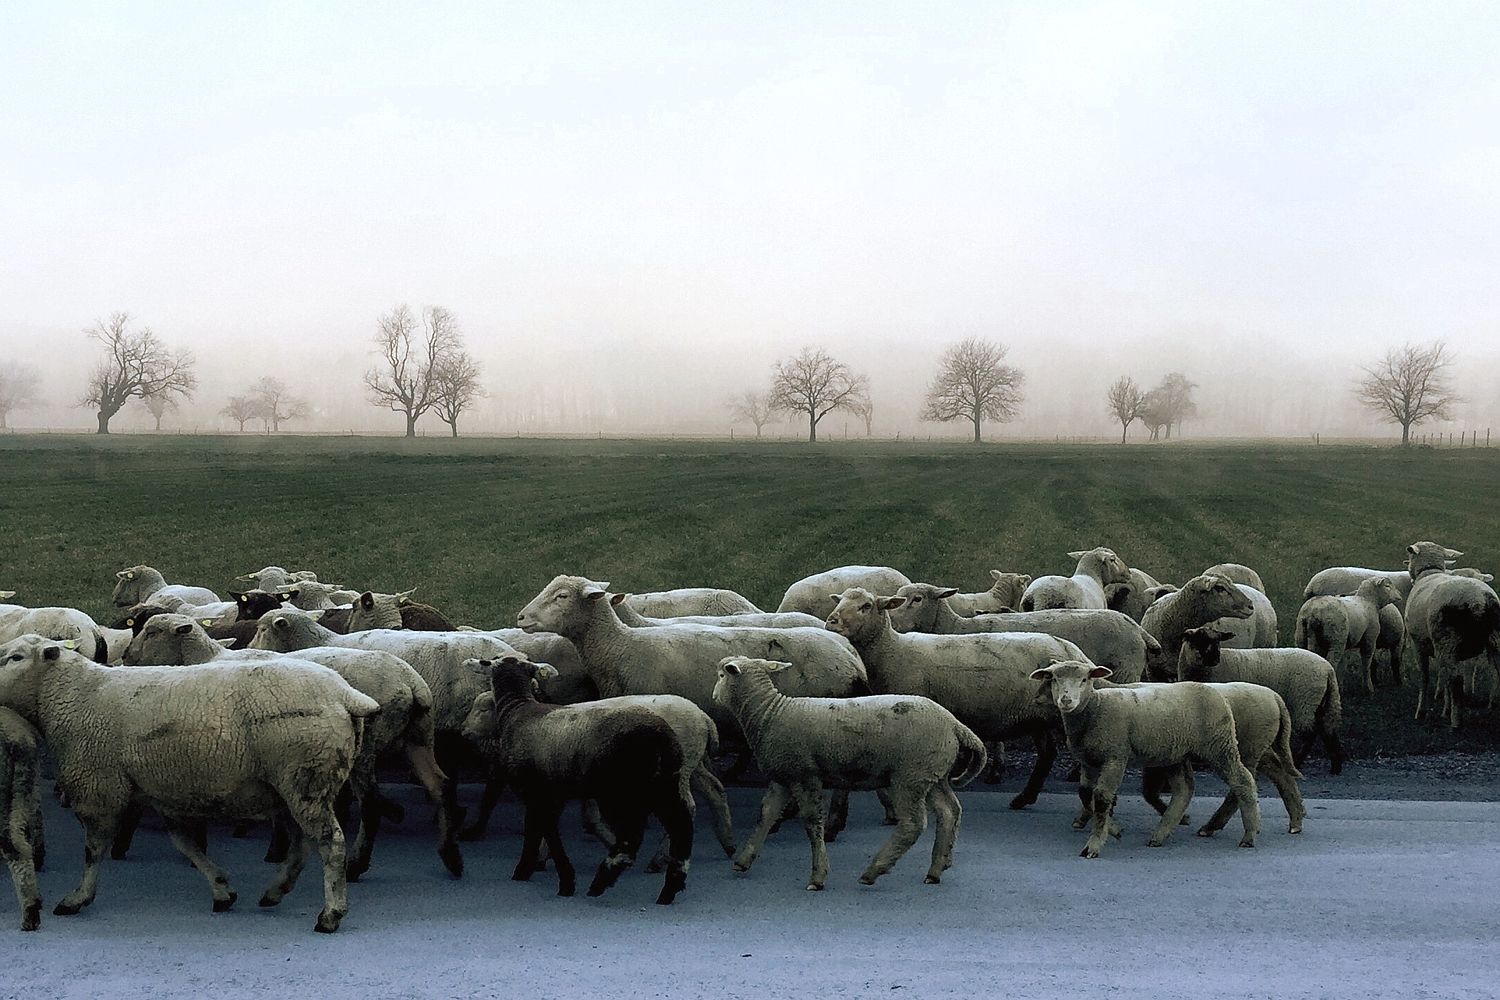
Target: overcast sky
710,186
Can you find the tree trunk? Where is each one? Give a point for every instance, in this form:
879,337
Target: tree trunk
242,427
3,425
411,426
1405,435
158,423
1124,427
275,425
453,426
976,428
812,427
103,423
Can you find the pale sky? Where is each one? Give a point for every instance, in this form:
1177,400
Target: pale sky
650,198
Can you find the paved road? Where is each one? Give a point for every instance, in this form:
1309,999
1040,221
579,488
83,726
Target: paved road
1376,899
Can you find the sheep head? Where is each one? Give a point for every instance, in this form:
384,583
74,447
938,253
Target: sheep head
733,671
859,615
566,606
1200,650
1008,587
1070,681
1101,563
919,613
1422,557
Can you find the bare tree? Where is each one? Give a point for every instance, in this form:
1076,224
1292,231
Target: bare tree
1126,402
753,407
403,381
815,384
1154,413
1412,383
1175,394
456,385
275,403
242,409
158,406
19,387
864,409
973,383
134,366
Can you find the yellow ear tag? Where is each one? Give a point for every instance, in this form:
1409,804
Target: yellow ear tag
70,644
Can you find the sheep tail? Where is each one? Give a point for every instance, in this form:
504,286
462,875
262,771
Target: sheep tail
972,756
713,740
1331,709
1473,623
1283,745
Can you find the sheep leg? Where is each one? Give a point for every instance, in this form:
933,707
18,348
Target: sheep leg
1291,795
594,824
949,812
181,834
567,876
676,817
1046,753
1367,664
1153,780
98,832
628,820
1180,780
1395,652
125,831
370,814
319,824
810,804
911,812
1106,785
1455,698
293,860
771,806
995,769
535,824
707,784
838,814
1242,785
36,834
658,862
20,857
1424,678
494,785
280,840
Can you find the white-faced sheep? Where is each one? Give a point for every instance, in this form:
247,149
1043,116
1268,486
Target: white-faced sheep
1202,600
404,724
756,619
395,611
1305,681
242,739
138,584
1004,595
1157,725
691,601
21,839
1239,573
982,678
626,758
1097,569
1337,581
1107,638
1450,619
1330,626
276,577
1260,630
810,595
62,624
695,731
910,745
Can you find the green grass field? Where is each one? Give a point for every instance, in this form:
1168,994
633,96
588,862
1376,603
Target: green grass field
480,525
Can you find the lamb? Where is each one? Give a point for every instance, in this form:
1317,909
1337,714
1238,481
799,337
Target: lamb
1097,569
1159,725
910,745
396,611
62,624
21,839
1107,638
310,595
1004,595
695,732
405,723
691,601
625,757
760,619
1134,596
136,584
1450,619
1329,626
572,683
1202,600
1307,682
238,739
810,595
1337,581
981,679
1239,573
276,577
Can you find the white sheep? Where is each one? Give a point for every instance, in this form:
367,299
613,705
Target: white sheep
756,619
1157,725
276,577
1135,595
1239,573
21,837
395,611
810,595
1107,638
404,724
1337,581
1097,569
1330,626
982,678
138,584
910,745
1450,619
1202,600
691,601
1260,630
62,624
1004,595
241,739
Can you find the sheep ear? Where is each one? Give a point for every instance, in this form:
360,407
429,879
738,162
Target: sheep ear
1452,553
367,599
480,667
237,596
183,629
121,575
227,643
51,651
946,593
6,595
617,599
1077,555
1487,577
594,591
995,575
130,576
1100,672
1044,674
315,615
285,595
732,669
545,671
281,623
1219,635
247,577
889,603
405,595
1412,549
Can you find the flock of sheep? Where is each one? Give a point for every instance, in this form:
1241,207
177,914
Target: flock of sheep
279,703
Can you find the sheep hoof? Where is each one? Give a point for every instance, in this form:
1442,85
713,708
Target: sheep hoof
1205,832
223,905
66,909
729,850
931,880
815,887
1153,842
269,900
521,874
1021,802
656,866
31,918
353,870
1247,842
452,860
1090,852
741,866
275,856
1186,819
566,889
867,879
1079,824
328,921
829,836
676,882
